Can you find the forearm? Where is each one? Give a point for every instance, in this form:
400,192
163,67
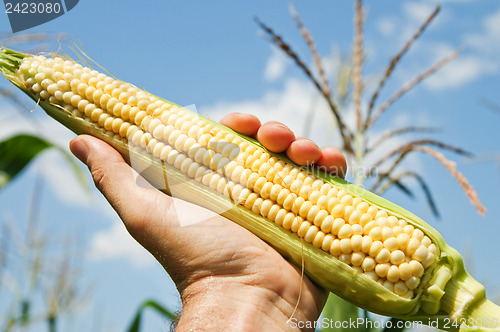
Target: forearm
214,304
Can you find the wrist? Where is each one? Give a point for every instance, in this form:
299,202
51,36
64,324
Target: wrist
221,303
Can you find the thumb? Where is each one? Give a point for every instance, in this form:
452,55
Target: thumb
137,206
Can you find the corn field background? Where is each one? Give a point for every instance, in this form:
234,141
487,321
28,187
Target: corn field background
317,67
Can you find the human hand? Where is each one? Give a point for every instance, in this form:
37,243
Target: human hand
227,277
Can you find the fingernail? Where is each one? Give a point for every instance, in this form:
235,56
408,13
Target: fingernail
80,149
283,126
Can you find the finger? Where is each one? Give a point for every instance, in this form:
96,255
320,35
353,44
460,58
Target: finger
245,124
332,161
303,151
275,136
117,181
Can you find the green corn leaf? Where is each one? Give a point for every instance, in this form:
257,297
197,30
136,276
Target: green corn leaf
136,323
393,325
339,310
367,327
16,152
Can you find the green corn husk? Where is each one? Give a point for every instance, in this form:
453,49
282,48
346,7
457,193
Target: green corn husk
447,295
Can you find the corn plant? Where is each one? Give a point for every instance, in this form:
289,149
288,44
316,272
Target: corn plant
135,325
33,265
358,143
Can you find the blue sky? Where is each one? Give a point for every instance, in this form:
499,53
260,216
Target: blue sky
212,54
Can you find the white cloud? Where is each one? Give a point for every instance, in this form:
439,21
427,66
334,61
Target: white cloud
17,121
488,40
56,171
386,26
291,105
483,50
275,66
418,11
459,72
480,57
117,243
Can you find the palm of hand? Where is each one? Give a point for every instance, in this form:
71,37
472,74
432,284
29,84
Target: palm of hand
216,250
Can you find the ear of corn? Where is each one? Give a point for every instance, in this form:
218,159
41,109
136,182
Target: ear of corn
359,246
